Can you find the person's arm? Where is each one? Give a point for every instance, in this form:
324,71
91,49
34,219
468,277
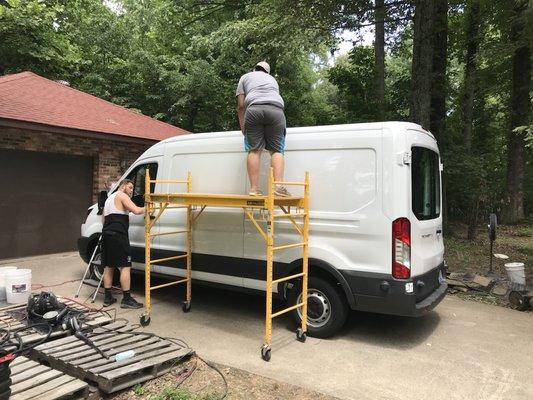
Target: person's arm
240,111
129,205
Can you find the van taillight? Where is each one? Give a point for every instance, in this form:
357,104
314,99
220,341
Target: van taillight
401,248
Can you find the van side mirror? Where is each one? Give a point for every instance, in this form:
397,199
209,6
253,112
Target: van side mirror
102,197
138,200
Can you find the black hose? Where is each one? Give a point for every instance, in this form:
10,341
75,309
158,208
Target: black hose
6,336
22,348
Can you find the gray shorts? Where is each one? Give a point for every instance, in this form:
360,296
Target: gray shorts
264,128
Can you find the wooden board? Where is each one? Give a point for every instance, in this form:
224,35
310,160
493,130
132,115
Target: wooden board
153,357
31,380
9,319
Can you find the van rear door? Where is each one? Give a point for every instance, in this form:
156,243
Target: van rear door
427,248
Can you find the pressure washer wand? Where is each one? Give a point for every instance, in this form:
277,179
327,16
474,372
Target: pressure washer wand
79,334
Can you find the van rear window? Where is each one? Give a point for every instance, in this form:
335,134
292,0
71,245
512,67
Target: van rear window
425,181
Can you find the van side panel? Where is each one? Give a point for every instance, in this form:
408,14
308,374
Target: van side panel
217,166
347,227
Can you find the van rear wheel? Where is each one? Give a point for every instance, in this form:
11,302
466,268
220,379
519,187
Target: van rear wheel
326,308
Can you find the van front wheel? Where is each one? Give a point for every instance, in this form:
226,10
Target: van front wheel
96,270
326,308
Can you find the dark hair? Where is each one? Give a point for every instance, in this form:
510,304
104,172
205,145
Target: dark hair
260,68
124,182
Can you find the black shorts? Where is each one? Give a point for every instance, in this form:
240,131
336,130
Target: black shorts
116,251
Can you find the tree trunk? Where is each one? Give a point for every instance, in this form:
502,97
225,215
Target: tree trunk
472,44
513,210
438,83
472,35
379,54
437,124
472,218
420,107
193,112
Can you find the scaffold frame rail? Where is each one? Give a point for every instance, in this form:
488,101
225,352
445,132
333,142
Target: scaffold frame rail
295,209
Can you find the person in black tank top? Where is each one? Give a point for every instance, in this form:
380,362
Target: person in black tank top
116,244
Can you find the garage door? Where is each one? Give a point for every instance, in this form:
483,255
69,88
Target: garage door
43,201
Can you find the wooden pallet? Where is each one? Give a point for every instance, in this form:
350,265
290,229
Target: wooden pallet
7,320
31,380
153,357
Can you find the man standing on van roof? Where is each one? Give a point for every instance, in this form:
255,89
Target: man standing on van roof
262,121
116,243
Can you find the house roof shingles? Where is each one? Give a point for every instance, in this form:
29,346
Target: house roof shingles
31,98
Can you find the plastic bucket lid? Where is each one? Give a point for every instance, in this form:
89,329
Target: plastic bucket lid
514,265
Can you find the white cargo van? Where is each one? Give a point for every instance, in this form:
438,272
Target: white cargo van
376,225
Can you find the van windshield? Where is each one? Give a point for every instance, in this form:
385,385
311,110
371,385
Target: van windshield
425,181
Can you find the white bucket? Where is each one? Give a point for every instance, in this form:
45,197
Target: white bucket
3,270
18,286
516,273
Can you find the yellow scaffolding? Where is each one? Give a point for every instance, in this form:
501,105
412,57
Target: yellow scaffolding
293,208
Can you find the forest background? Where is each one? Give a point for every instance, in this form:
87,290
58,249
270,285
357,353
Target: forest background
461,69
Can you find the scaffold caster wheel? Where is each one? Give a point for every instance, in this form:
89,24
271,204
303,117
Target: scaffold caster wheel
518,301
301,336
186,306
144,320
265,353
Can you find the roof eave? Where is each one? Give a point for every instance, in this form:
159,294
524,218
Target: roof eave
34,126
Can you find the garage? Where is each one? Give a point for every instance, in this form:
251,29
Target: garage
59,147
45,198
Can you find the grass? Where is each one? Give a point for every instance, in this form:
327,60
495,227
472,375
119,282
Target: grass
487,299
138,390
463,255
172,394
473,256
182,394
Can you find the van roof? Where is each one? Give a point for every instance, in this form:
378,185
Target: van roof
304,129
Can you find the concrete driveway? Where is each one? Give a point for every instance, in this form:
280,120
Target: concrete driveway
462,350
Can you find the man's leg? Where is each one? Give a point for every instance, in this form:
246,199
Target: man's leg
125,279
254,143
275,144
125,285
252,164
277,162
108,283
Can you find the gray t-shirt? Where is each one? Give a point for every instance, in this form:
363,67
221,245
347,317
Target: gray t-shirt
259,88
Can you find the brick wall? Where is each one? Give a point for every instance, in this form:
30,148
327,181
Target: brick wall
110,157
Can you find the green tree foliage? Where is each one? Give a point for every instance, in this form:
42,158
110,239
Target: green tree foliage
180,61
29,39
354,77
485,161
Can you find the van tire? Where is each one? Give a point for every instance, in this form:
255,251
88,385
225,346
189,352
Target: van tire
326,308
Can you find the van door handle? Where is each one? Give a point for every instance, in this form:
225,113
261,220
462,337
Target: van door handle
439,231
